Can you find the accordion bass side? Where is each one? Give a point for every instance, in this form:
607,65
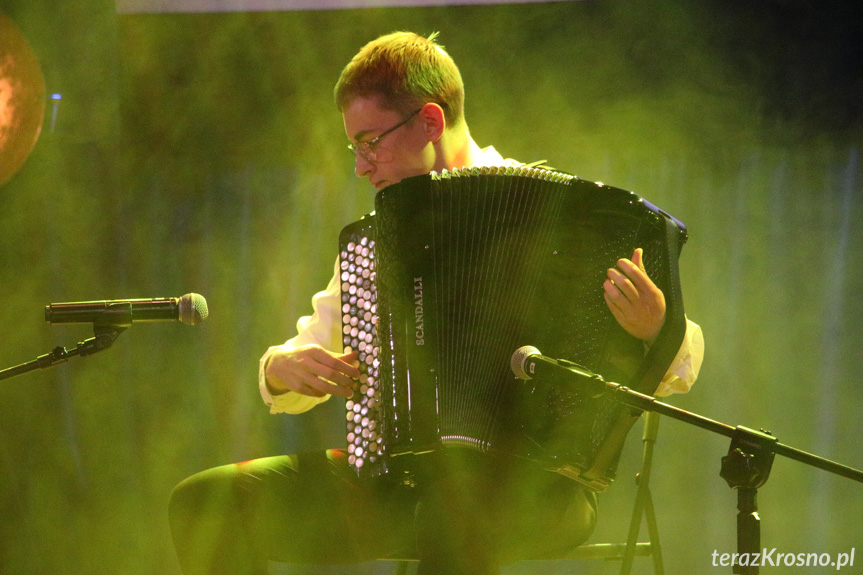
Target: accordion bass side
453,273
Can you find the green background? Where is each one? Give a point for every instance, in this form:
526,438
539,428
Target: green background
203,152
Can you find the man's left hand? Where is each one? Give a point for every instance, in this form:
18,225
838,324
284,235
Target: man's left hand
634,300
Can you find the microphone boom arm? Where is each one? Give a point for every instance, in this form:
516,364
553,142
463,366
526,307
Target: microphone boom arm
745,468
105,333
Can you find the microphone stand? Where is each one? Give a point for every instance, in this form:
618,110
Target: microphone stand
745,468
116,319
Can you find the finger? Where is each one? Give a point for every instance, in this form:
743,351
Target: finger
618,282
349,357
352,359
323,386
610,299
310,391
636,274
615,309
293,382
342,364
328,377
312,371
332,376
638,258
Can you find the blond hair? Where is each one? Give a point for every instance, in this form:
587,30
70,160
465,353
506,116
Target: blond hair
406,71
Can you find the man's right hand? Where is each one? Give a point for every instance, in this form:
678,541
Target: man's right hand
312,370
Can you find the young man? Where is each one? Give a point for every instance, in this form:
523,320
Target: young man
402,101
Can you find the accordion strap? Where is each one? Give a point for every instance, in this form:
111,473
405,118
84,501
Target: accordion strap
668,342
656,363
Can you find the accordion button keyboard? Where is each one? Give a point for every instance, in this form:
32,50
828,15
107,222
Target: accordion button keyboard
359,308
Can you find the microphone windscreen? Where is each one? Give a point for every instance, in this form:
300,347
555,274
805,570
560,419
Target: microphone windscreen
516,362
193,309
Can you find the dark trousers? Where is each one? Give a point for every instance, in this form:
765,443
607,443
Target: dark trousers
469,514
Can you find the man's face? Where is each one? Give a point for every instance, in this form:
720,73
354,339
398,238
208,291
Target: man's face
399,154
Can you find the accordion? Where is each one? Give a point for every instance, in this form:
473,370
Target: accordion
454,272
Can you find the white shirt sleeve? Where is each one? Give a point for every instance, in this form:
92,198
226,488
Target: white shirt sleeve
686,365
323,328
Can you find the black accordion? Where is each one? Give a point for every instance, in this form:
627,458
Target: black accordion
453,273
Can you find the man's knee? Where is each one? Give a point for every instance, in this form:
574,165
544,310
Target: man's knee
211,491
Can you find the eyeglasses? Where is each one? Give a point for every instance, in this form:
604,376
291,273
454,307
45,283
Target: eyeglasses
367,149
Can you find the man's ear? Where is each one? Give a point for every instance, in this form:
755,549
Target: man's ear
433,121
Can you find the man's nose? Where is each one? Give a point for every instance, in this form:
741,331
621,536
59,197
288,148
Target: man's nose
362,166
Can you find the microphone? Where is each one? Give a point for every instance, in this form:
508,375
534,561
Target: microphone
527,362
190,309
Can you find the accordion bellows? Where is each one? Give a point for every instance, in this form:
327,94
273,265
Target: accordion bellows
453,273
